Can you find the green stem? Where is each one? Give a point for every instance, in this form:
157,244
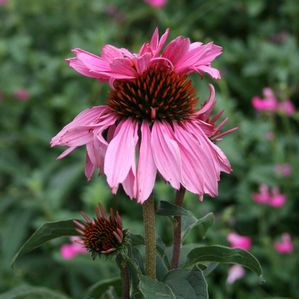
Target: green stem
176,249
124,276
150,237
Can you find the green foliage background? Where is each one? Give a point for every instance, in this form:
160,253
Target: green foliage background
260,41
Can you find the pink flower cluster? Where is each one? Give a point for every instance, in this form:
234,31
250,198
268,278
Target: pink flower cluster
71,250
272,198
285,245
283,169
156,3
238,241
270,103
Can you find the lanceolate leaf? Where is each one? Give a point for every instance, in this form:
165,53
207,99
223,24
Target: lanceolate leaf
44,233
153,289
168,209
98,289
189,284
28,292
222,254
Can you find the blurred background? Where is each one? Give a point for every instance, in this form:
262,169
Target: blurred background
39,94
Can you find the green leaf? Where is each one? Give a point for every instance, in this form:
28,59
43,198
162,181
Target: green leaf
202,224
97,290
168,209
189,284
44,233
189,221
28,292
222,254
154,289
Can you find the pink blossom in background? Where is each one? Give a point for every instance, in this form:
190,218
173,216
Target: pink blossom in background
156,3
277,199
263,196
21,94
268,103
3,2
238,241
71,250
280,37
285,245
269,136
269,197
151,115
234,273
283,169
287,108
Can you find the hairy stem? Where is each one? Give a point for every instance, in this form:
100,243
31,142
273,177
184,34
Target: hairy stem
150,237
124,276
176,249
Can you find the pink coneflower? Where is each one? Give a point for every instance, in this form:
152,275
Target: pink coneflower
234,273
283,169
21,94
238,241
273,197
285,245
3,2
150,123
71,250
102,235
156,3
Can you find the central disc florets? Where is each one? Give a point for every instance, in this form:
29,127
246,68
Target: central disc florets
156,94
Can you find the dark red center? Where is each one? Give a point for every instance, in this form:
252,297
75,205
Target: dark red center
157,94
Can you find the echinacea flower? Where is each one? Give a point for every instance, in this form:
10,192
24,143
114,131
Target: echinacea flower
235,272
150,123
71,250
156,3
102,235
285,245
238,241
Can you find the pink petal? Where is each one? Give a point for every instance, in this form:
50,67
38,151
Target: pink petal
122,68
214,73
130,183
89,167
142,63
176,49
93,62
66,152
76,137
166,153
199,171
120,153
146,172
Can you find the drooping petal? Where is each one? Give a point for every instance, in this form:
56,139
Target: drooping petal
200,175
142,63
89,167
147,170
66,152
120,153
130,183
166,153
76,136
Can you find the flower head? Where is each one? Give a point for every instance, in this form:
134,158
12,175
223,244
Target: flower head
285,245
71,250
102,235
238,241
287,107
150,124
